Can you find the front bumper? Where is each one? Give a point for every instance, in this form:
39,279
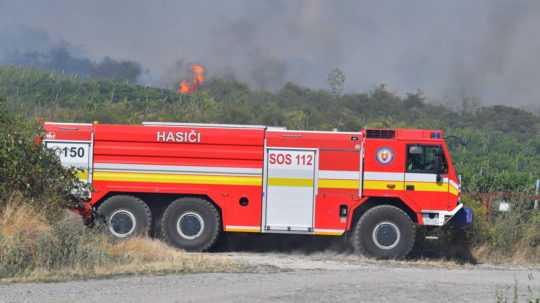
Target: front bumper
462,216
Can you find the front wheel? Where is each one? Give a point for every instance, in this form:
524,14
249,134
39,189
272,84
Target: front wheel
192,224
385,232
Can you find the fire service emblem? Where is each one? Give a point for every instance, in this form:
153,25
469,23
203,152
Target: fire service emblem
385,155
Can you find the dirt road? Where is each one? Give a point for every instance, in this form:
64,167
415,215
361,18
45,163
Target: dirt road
320,277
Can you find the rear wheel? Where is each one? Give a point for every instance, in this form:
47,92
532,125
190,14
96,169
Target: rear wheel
125,216
384,232
192,224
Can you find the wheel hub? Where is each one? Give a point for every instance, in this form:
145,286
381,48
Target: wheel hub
190,225
386,235
122,223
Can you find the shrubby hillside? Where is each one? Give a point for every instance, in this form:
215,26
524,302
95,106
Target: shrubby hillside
495,148
501,150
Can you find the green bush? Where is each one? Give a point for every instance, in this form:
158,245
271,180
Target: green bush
506,236
26,167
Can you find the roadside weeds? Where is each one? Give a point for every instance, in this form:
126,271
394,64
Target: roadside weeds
33,250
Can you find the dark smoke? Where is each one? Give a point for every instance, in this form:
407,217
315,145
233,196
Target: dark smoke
452,50
502,64
274,42
33,48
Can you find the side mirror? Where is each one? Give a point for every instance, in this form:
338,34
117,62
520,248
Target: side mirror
439,178
438,162
437,166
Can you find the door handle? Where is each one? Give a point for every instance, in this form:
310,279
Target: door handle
409,187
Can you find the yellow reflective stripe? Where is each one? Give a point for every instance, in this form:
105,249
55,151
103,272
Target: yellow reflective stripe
418,186
176,178
291,182
328,233
348,184
429,186
82,175
383,185
242,229
323,183
256,181
453,190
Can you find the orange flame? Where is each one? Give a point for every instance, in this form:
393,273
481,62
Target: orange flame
198,74
184,87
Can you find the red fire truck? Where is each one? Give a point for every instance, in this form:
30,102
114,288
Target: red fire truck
192,182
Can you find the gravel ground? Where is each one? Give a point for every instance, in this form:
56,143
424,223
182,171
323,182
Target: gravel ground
323,277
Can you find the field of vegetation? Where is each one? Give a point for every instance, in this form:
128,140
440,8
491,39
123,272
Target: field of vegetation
498,149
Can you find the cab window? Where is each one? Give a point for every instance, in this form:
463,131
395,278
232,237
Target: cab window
426,159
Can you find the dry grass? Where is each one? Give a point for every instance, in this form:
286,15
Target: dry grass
508,238
32,250
520,253
21,219
132,262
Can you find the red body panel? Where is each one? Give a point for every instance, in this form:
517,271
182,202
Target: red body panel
68,131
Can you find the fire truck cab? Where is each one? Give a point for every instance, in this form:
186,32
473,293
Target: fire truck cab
191,182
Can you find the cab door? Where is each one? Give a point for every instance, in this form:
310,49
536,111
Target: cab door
426,176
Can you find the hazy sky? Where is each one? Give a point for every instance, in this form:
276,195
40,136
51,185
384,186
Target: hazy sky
483,48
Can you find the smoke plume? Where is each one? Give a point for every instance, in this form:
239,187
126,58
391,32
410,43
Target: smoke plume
32,48
451,50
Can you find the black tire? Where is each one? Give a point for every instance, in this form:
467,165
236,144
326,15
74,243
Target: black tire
191,224
125,216
385,232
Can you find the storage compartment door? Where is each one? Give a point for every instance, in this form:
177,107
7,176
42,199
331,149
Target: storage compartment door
291,182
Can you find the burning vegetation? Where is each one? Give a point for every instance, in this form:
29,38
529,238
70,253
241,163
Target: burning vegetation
185,87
